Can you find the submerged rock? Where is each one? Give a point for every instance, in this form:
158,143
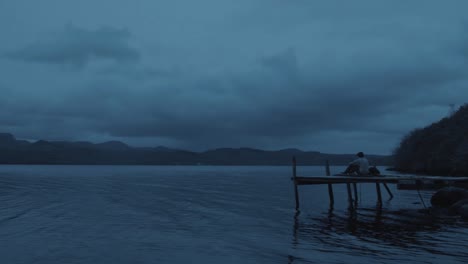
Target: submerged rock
463,211
460,208
447,197
454,200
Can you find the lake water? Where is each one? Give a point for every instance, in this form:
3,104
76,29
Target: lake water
211,214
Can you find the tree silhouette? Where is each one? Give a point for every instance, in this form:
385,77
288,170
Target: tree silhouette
440,148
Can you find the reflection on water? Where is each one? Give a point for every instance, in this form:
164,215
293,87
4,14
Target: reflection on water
364,231
396,228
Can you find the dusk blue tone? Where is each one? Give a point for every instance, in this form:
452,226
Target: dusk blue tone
331,76
224,82
197,214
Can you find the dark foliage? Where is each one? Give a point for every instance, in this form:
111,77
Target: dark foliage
438,149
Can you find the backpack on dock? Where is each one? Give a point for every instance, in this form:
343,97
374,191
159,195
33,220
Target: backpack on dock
374,171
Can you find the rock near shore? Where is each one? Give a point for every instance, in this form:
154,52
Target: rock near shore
454,199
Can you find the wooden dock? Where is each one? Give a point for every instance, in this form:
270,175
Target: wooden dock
376,179
406,182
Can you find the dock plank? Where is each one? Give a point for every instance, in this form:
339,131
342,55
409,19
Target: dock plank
373,179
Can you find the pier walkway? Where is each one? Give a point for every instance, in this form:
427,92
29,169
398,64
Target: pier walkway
403,182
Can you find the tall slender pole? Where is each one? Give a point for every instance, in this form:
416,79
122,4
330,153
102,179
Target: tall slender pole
379,194
296,194
350,195
330,187
355,193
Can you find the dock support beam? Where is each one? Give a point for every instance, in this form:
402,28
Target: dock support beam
388,191
296,194
330,187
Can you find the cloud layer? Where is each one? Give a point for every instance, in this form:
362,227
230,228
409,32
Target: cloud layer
75,46
270,76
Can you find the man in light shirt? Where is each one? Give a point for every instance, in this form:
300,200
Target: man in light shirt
359,165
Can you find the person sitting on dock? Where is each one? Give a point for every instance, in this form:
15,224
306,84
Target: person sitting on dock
359,165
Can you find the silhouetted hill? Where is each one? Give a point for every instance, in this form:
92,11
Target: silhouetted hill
291,151
7,140
14,151
440,148
164,149
113,145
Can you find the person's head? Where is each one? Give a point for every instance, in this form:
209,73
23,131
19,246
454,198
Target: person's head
360,154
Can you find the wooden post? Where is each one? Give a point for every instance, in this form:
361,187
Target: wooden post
350,195
379,194
388,190
296,194
355,192
330,187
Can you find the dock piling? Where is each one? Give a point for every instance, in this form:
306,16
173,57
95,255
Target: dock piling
379,193
355,193
296,194
330,187
350,195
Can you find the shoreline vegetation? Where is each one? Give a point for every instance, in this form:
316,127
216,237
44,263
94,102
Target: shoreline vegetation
438,149
13,151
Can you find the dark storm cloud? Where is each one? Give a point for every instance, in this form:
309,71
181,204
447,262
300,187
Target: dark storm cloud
279,100
76,47
302,74
137,72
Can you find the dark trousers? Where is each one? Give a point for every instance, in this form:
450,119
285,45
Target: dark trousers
353,168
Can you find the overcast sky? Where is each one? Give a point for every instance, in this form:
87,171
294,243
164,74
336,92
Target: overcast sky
331,76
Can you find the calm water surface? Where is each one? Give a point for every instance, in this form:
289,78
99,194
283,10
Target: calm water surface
185,214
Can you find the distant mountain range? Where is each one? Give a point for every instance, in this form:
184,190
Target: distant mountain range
13,151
